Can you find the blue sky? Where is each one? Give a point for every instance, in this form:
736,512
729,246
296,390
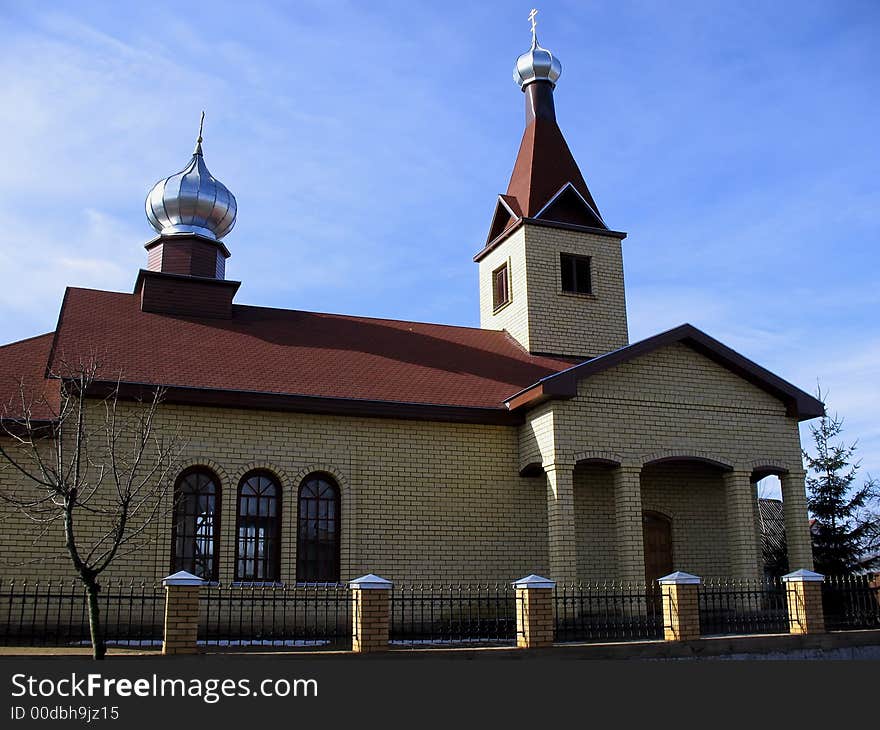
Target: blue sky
736,143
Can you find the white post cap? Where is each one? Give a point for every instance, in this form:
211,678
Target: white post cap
534,581
679,578
806,576
371,582
182,578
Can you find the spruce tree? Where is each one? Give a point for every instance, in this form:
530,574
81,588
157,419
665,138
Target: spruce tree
844,530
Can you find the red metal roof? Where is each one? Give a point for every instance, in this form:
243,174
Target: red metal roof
279,351
23,372
543,165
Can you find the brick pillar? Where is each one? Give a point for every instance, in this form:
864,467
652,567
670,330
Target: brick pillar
534,612
629,540
181,631
560,522
797,522
681,610
803,590
370,613
742,541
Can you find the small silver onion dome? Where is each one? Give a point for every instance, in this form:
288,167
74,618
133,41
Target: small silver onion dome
192,201
536,64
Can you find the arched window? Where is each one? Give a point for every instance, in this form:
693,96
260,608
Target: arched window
196,523
258,530
317,551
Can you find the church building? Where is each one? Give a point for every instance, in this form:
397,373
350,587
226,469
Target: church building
320,447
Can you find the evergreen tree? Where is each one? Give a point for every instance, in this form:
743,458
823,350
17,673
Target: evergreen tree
844,530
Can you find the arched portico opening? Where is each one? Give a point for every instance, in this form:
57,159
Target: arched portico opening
685,515
767,481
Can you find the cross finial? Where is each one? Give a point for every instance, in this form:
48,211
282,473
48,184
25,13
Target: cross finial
198,149
534,24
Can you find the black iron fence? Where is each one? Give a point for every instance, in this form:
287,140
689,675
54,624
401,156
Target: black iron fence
851,602
55,613
472,615
589,612
315,616
733,606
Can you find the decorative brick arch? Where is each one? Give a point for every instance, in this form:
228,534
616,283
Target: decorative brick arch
607,458
337,475
529,459
711,459
761,468
532,469
209,464
276,471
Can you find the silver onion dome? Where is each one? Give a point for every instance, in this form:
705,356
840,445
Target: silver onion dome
192,201
536,64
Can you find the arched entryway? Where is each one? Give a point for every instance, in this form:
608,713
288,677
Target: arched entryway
657,533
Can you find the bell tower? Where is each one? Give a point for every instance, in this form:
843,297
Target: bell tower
551,272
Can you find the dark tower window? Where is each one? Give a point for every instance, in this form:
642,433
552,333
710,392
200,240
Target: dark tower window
500,287
258,544
576,274
196,524
317,551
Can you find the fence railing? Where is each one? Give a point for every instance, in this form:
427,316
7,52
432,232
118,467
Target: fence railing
851,602
730,606
608,612
307,615
55,613
473,615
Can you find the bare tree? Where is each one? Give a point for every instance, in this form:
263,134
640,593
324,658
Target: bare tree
96,468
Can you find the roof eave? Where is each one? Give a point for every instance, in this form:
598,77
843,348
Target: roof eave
495,242
292,402
563,385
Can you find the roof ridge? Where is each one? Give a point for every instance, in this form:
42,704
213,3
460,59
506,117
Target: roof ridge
28,339
311,311
365,316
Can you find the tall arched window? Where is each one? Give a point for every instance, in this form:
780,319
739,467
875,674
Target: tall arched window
196,523
317,553
258,528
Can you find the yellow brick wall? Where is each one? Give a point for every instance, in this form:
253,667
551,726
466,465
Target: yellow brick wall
575,324
540,315
692,495
514,316
676,401
421,500
594,522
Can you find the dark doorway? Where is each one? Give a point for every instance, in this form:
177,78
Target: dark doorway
657,532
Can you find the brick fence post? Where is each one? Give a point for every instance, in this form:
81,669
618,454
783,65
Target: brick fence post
181,613
534,612
681,609
803,592
370,613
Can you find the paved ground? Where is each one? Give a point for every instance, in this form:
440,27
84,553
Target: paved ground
846,645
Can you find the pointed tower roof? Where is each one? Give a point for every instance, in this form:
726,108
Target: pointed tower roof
544,165
546,183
